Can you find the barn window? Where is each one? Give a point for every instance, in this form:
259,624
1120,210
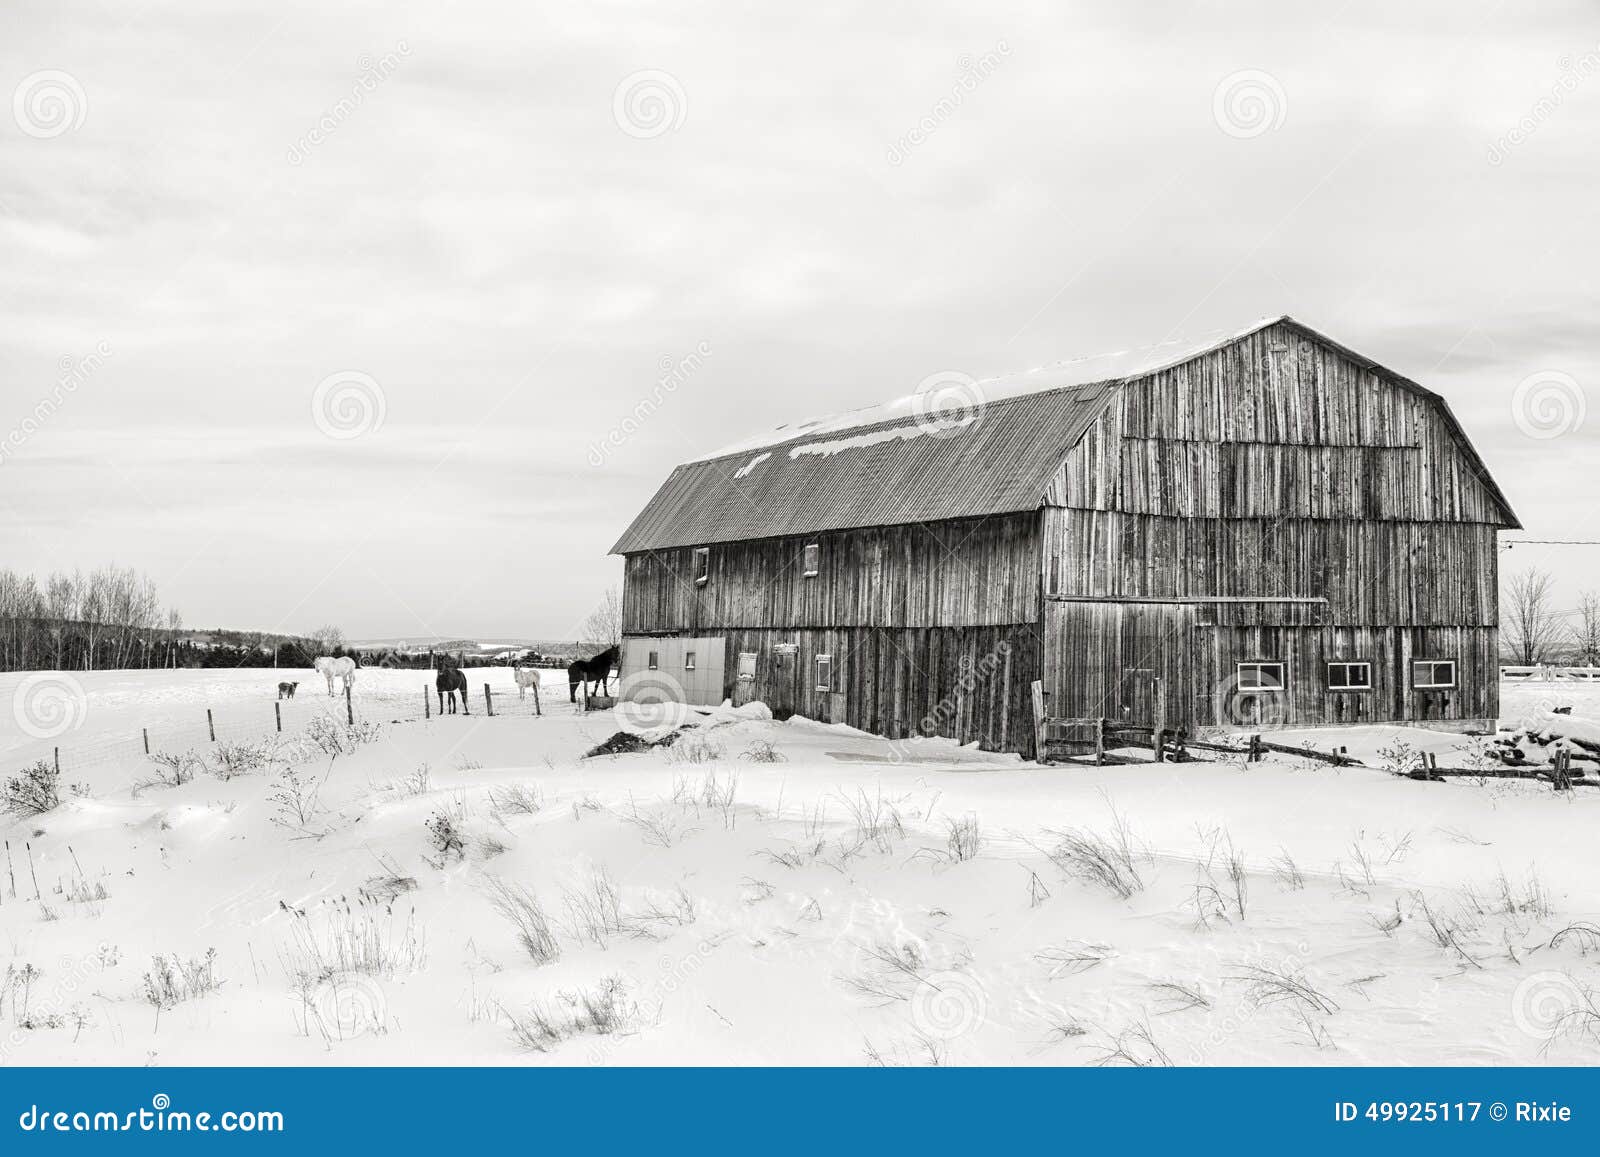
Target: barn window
655,659
688,660
813,559
1260,676
1433,674
747,665
1343,676
824,672
702,563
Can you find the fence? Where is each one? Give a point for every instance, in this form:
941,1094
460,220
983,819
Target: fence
257,720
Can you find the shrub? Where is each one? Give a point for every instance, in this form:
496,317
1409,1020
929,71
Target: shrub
332,737
171,980
241,758
33,792
173,768
445,835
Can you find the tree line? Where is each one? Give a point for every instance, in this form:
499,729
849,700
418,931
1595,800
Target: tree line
108,617
1533,631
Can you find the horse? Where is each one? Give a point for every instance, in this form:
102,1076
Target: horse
330,668
286,690
595,670
450,682
526,677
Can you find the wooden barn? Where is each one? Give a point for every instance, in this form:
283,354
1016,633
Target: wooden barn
1266,529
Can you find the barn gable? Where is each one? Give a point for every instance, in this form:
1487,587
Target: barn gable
1226,414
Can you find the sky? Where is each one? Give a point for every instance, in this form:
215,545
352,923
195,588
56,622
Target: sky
393,315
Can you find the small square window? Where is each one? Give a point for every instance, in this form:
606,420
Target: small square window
702,564
824,672
655,660
1260,676
813,559
1433,674
688,660
747,665
1349,676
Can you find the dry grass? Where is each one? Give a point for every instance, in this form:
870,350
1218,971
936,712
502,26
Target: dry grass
1273,986
1107,861
519,907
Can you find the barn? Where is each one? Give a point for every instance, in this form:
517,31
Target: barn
1261,529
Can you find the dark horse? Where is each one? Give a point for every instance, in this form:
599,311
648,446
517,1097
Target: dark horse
452,681
595,670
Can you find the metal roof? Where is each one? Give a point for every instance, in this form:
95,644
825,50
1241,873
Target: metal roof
960,449
959,461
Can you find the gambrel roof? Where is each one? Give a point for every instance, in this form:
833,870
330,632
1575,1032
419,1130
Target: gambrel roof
980,448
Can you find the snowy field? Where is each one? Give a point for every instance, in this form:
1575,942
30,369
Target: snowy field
469,890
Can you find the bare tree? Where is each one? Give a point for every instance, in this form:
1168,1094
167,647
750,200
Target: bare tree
604,624
1531,627
1586,630
328,638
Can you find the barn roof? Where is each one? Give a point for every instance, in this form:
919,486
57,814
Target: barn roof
961,449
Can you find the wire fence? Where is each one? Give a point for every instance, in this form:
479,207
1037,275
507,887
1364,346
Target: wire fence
202,726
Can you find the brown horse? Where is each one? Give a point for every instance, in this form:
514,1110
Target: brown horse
449,683
595,670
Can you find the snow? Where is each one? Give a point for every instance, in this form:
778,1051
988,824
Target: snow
1073,372
749,467
939,427
778,927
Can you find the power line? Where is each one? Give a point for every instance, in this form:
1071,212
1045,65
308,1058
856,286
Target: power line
1550,542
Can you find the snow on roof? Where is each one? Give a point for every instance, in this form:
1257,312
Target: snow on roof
1081,371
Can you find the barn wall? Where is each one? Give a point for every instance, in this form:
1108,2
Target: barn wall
1278,467
1276,425
967,572
965,683
1104,658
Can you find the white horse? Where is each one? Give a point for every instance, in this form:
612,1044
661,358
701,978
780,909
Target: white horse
526,677
330,668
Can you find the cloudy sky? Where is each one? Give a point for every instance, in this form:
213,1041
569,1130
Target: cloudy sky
353,300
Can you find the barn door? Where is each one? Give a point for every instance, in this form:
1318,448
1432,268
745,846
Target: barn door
783,680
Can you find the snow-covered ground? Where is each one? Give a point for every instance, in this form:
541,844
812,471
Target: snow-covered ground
773,893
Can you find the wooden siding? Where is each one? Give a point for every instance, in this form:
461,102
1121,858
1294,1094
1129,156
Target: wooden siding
965,683
1374,573
1277,425
967,572
1101,658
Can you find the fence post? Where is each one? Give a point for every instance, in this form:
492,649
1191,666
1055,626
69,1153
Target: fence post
1038,722
1255,749
1158,737
1100,742
277,714
427,704
146,731
349,706
488,701
211,725
58,763
537,710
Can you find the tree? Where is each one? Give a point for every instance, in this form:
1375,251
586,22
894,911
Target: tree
1586,630
328,639
1531,627
604,624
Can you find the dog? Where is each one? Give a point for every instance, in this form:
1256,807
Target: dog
286,690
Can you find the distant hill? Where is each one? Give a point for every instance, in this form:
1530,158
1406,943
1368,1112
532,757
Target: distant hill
474,645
